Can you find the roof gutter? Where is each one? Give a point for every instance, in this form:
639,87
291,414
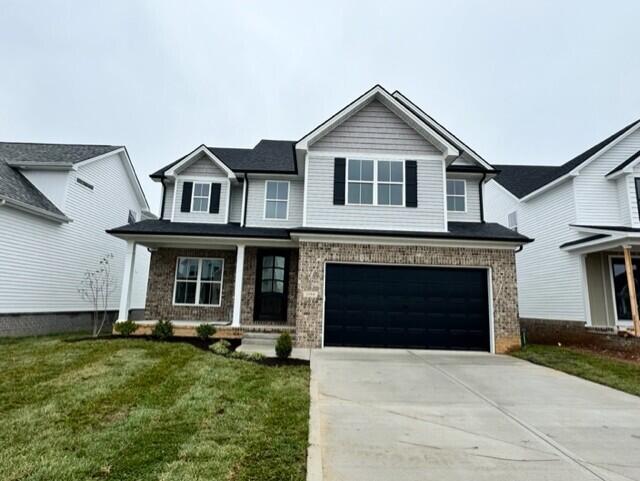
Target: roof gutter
16,204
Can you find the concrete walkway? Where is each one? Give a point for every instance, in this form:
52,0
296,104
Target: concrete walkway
425,415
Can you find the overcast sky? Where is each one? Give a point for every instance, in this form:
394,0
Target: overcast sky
520,82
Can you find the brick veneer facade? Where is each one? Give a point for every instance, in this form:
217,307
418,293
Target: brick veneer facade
314,255
162,272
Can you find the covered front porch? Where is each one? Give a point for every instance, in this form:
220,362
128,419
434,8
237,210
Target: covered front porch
610,260
237,284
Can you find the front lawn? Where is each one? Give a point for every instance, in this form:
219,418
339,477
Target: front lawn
133,409
622,375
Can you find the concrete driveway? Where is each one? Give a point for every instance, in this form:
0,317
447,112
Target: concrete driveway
423,415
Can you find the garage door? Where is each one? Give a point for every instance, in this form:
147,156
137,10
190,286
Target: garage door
410,307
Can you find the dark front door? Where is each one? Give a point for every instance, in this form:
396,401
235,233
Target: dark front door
271,285
409,307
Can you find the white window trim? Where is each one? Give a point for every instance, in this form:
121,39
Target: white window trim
193,196
264,212
464,197
375,182
198,282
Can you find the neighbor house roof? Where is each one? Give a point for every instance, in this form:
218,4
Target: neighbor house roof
16,189
522,180
481,231
269,156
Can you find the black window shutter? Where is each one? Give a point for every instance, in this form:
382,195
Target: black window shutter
411,183
637,180
338,180
214,205
187,189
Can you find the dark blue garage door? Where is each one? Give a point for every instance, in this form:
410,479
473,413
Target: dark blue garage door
408,307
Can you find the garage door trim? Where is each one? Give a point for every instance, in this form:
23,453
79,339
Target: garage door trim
447,266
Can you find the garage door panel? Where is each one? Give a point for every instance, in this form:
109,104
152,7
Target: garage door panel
401,306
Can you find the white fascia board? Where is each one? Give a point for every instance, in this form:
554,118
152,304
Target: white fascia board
379,93
30,165
607,243
208,242
16,204
469,151
602,230
173,171
401,241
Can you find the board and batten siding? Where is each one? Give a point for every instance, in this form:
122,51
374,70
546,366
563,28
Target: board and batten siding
235,204
256,200
43,262
549,278
205,217
375,129
472,213
320,211
597,199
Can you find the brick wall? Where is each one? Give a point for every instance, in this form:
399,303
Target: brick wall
313,256
162,271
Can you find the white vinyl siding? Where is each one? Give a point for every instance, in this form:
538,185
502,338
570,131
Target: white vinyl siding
235,208
203,166
255,204
498,203
168,199
43,262
597,199
626,197
320,211
205,217
472,213
375,129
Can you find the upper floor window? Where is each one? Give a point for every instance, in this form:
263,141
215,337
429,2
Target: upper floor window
512,220
276,203
198,281
200,199
456,195
372,182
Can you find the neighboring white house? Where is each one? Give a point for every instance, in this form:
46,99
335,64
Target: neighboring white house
56,201
582,215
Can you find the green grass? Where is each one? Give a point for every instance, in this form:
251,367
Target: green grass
133,409
614,373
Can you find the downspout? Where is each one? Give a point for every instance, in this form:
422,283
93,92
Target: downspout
163,198
484,176
246,196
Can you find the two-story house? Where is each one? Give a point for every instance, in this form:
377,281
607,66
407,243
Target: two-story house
368,231
56,200
584,217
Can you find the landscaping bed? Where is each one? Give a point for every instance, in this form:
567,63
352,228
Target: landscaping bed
603,367
137,409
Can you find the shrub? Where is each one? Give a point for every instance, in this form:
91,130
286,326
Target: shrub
125,328
205,331
247,356
284,345
163,330
221,348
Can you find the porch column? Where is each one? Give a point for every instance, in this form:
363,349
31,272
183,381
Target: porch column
127,280
237,293
631,285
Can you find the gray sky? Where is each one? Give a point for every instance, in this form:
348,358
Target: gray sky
520,82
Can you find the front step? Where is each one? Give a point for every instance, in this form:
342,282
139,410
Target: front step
263,339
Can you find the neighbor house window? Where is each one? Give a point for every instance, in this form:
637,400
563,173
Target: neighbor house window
198,281
456,195
200,200
276,199
360,182
512,220
390,182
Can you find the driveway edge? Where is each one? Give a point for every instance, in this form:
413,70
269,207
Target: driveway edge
314,450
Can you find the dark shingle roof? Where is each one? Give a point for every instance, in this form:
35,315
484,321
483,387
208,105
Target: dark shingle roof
16,187
277,156
625,163
583,240
522,180
457,230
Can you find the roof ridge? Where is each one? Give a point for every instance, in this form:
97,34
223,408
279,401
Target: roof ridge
63,144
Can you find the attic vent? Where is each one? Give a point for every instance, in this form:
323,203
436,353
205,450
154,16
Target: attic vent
512,220
84,182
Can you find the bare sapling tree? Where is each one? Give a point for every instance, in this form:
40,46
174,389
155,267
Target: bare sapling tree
96,287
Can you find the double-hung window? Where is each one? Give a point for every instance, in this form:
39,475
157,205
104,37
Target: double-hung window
390,182
456,195
360,181
198,281
200,200
276,199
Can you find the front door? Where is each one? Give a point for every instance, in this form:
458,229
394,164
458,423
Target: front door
271,285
